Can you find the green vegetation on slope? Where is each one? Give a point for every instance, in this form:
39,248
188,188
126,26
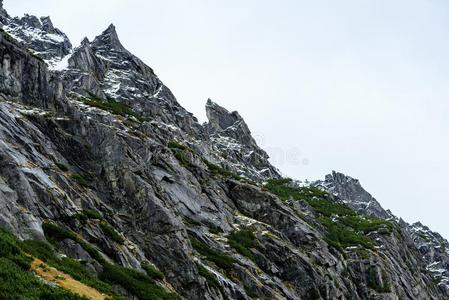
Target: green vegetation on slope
74,268
114,107
344,226
182,153
220,259
242,241
110,232
139,284
87,214
217,170
16,281
80,179
152,272
62,167
54,232
185,154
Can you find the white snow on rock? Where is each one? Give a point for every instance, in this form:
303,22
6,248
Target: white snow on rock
59,64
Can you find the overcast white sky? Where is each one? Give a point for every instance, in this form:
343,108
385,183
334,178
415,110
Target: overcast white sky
356,86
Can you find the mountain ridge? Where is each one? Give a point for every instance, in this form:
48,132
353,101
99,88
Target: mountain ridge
100,147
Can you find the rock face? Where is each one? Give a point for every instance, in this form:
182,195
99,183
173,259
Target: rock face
91,136
435,252
233,141
38,35
353,194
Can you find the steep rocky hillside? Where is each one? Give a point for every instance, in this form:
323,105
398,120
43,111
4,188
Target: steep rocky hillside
117,189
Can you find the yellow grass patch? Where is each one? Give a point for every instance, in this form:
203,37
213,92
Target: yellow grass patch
64,281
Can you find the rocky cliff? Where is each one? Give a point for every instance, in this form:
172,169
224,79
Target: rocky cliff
114,183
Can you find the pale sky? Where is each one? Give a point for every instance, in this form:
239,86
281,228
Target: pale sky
357,86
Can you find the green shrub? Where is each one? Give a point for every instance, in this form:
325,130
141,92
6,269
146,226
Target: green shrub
220,259
54,231
10,249
92,214
62,167
175,145
340,236
114,107
137,283
39,249
366,225
242,241
110,232
285,189
328,208
87,214
184,158
80,179
182,153
219,171
152,272
81,217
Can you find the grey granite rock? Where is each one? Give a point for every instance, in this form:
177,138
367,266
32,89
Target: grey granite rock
349,190
151,172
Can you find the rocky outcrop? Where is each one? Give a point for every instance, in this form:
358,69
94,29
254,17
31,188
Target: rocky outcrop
232,139
435,252
26,79
39,36
432,247
349,190
102,141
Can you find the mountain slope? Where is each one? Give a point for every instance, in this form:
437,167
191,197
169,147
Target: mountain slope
98,158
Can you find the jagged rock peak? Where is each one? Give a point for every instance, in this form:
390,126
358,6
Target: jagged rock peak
341,178
85,41
350,191
38,35
109,39
31,21
219,117
47,24
230,134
